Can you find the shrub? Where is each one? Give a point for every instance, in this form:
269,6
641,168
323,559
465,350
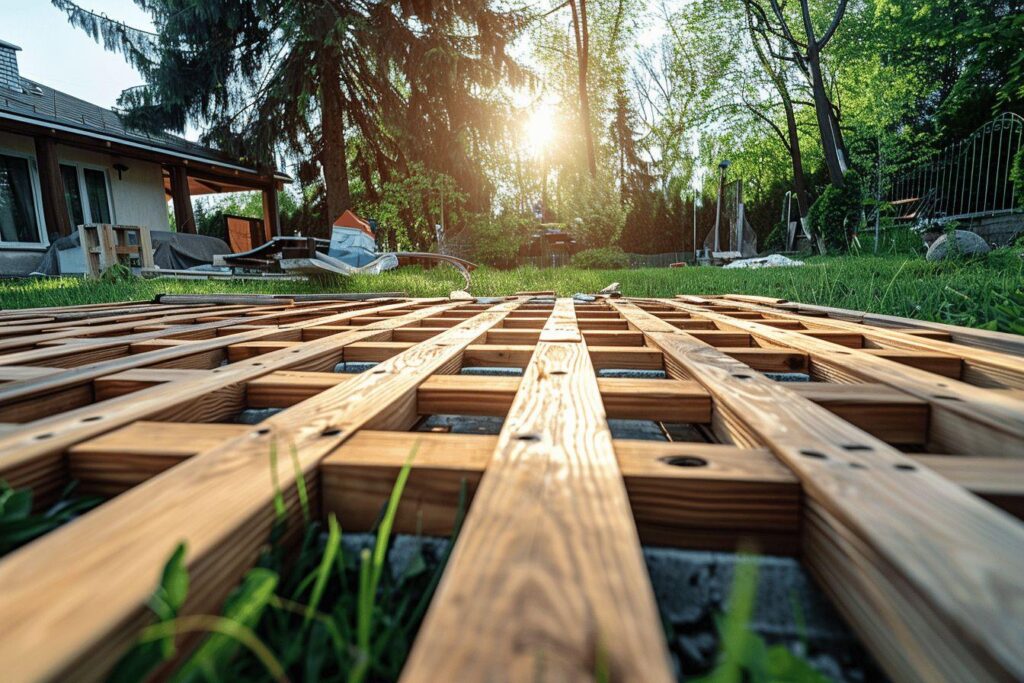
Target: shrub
605,258
775,241
497,240
1017,172
836,213
594,213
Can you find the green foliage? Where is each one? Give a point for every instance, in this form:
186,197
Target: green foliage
836,214
604,258
409,207
743,655
594,214
497,240
1017,172
776,238
18,525
313,614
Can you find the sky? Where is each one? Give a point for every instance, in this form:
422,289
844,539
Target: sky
55,53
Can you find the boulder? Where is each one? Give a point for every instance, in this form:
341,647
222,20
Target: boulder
969,244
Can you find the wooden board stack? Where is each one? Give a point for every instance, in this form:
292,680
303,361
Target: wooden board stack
895,474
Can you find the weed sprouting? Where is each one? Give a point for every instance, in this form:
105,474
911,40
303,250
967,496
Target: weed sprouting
312,613
18,525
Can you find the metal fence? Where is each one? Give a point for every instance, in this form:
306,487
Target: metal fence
968,179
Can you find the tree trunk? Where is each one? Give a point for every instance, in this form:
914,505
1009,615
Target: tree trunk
582,35
826,128
333,158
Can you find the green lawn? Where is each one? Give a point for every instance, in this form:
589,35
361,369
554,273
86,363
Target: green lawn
984,292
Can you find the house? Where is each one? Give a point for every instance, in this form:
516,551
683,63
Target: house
65,162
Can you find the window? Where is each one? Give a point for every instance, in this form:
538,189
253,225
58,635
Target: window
19,208
86,194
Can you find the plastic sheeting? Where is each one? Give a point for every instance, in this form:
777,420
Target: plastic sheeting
172,250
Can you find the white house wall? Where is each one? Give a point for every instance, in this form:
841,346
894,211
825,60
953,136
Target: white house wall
138,197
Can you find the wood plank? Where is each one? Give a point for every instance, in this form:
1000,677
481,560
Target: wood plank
964,418
735,494
550,540
923,570
990,359
220,503
29,392
32,456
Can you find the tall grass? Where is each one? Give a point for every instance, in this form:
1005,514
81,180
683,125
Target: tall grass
966,292
312,613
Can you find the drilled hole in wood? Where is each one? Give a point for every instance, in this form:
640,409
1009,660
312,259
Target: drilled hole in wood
944,397
94,418
684,461
813,454
742,376
333,431
528,437
378,372
558,372
856,447
857,466
40,437
903,467
263,431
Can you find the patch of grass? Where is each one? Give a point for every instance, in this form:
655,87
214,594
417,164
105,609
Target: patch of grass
309,613
742,654
982,292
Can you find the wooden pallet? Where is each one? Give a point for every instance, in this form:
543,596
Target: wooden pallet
896,476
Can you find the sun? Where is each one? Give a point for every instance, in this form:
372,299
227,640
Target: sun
539,128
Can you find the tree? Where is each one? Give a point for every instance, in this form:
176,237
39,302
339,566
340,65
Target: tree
396,83
777,74
806,54
581,36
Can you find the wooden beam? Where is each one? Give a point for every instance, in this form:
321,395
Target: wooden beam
271,212
551,541
51,185
184,218
964,418
920,568
220,503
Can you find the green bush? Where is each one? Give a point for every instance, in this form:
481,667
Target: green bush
497,240
1017,172
775,241
594,213
605,258
837,212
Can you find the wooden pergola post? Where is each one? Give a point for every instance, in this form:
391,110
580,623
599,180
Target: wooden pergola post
271,211
184,219
55,212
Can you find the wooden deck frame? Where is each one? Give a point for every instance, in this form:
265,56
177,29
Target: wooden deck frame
922,567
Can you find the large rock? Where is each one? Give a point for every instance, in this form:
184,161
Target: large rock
969,244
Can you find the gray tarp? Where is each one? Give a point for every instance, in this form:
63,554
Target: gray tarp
171,250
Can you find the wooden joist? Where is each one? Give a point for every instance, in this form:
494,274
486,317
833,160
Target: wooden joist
875,522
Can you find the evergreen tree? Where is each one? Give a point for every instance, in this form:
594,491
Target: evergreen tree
407,80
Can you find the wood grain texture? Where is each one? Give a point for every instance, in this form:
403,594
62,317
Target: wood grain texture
964,418
990,359
219,502
926,573
32,455
551,541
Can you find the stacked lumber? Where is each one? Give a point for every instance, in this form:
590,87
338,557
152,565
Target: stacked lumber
896,473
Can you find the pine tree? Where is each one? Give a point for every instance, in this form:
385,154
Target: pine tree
378,86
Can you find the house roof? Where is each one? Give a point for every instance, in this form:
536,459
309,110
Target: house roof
41,104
